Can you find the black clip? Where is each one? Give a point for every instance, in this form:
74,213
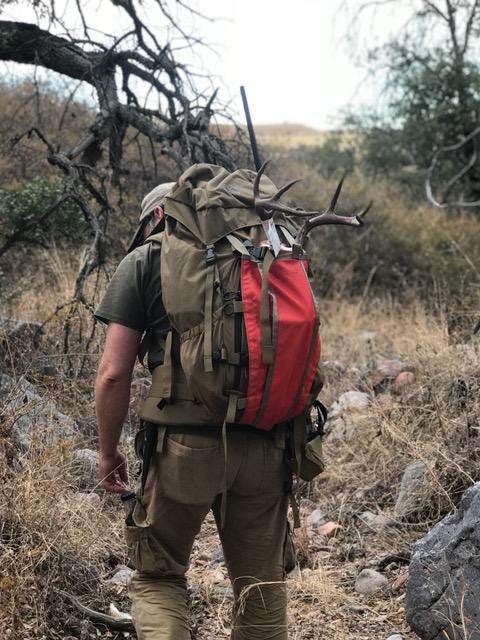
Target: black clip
210,255
256,252
322,416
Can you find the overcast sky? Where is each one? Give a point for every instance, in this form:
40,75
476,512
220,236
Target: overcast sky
292,56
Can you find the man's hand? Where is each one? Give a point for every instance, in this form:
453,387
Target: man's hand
113,471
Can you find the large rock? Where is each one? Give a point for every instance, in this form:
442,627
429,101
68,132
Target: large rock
24,331
349,413
443,592
31,414
412,489
18,340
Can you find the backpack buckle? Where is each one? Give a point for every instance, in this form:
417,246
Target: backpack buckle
210,255
256,252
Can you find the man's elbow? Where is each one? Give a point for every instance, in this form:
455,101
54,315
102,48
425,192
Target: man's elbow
111,377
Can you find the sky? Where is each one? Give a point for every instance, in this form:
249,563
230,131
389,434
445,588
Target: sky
292,57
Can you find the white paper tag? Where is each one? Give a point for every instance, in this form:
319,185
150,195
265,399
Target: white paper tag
272,235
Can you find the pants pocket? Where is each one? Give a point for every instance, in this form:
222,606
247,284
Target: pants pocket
133,537
148,555
191,468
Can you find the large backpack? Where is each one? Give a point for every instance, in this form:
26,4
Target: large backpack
244,319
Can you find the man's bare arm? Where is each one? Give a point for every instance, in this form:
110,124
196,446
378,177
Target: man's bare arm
112,396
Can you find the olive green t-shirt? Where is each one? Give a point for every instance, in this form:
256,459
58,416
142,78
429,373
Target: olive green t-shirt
134,299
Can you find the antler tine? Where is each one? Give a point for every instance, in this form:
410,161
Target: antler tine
330,217
256,182
363,212
284,189
336,195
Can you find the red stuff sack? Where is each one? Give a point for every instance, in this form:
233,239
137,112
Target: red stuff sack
282,331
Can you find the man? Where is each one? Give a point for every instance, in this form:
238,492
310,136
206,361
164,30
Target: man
185,476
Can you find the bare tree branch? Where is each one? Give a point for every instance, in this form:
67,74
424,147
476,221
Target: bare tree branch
443,202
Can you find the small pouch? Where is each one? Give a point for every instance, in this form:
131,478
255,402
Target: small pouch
312,462
305,451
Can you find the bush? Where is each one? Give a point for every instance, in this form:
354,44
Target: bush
405,252
21,212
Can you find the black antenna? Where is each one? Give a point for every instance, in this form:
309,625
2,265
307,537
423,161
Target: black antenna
251,132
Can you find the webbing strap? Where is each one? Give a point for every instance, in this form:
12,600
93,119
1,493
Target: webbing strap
232,408
149,446
208,318
299,436
238,245
223,496
265,325
163,374
295,510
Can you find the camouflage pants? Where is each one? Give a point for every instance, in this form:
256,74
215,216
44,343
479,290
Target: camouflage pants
184,483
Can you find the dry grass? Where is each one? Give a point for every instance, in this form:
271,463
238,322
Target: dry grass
50,542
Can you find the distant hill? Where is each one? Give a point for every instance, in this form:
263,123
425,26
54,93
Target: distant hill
290,135
287,135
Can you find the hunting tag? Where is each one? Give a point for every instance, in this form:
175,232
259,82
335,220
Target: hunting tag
272,235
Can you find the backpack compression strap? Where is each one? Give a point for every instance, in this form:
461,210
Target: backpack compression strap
211,275
266,331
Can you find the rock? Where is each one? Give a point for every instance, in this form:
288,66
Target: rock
334,366
217,557
412,489
18,343
400,581
357,372
374,521
368,581
395,636
316,518
385,370
212,577
84,469
443,589
352,401
329,529
7,385
33,415
88,457
121,576
25,331
385,401
402,381
91,500
117,614
347,414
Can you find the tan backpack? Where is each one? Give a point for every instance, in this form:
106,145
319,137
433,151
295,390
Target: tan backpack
211,230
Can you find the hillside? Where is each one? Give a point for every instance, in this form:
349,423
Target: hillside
289,135
398,301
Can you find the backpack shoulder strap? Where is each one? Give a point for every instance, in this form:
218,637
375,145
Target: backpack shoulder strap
156,237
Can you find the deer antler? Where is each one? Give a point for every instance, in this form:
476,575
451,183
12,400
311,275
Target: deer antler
265,208
330,217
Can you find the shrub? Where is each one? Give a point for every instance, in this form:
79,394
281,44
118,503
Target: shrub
21,212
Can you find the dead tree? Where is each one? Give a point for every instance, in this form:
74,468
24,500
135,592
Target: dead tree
174,118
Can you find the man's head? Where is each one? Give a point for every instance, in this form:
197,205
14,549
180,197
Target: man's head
152,213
